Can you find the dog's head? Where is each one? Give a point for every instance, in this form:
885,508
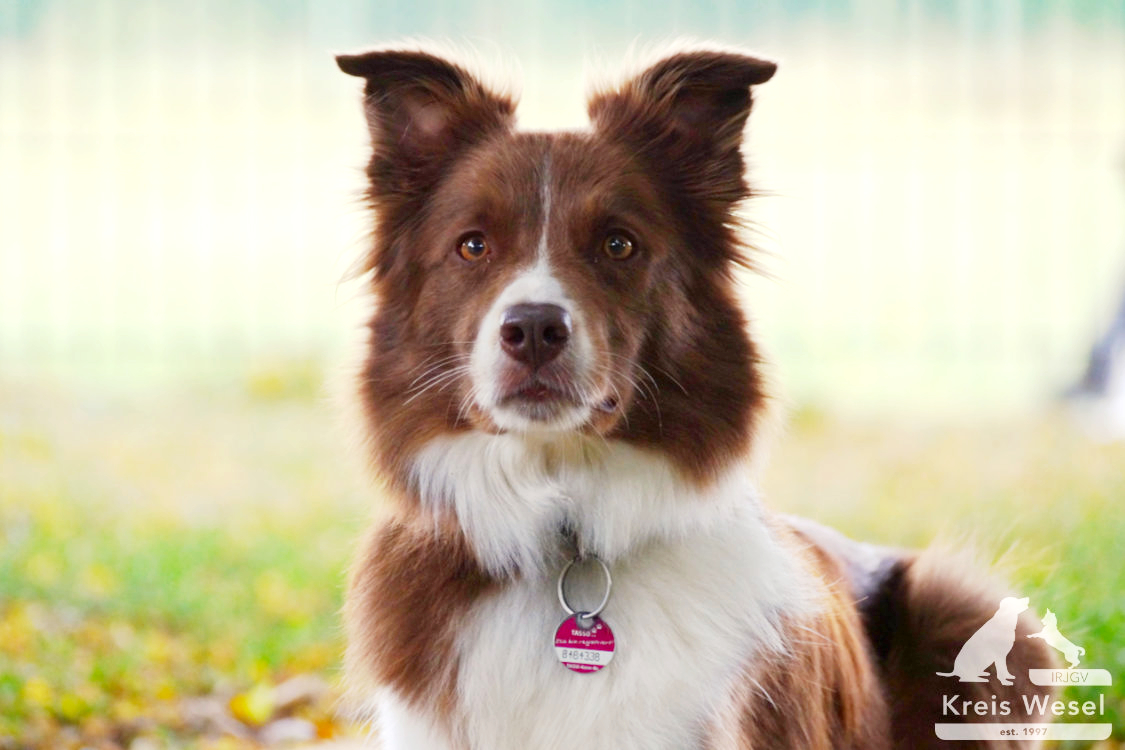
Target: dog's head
559,284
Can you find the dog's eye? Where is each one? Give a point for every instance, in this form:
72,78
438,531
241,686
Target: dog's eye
618,246
473,248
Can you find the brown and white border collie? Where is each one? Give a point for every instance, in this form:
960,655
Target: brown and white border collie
558,367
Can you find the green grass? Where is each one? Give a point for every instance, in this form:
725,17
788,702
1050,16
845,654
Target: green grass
154,548
160,546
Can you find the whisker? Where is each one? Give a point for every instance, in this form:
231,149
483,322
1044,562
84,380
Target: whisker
440,382
443,373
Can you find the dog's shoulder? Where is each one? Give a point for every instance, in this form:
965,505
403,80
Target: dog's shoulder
409,585
828,675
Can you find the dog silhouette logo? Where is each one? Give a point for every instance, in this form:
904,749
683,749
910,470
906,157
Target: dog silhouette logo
1050,633
990,645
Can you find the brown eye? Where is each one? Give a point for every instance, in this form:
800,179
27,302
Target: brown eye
473,248
618,246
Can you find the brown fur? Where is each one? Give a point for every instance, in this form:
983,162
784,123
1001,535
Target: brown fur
663,165
826,692
917,611
410,585
940,603
689,374
839,686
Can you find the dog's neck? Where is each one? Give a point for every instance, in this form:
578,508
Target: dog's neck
523,502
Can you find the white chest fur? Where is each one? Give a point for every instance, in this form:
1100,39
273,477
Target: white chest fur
699,586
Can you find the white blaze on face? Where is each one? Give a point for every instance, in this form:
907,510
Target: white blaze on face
534,285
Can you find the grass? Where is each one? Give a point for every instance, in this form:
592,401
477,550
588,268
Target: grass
157,548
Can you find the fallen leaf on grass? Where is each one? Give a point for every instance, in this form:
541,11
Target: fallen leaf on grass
255,706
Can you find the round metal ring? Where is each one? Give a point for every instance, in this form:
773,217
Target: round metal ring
605,599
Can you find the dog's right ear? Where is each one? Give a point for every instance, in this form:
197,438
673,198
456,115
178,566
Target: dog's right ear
421,111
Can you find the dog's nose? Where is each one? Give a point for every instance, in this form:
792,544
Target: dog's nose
534,334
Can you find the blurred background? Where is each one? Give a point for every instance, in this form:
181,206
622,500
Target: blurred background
941,223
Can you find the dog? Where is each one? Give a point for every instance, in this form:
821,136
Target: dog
559,395
990,645
1051,635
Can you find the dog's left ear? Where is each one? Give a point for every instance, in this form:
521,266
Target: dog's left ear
687,113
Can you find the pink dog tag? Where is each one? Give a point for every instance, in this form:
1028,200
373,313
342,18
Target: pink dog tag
584,650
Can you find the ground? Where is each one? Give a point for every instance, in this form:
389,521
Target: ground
172,559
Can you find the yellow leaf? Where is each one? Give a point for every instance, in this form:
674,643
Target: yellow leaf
71,707
158,647
166,691
124,710
325,728
255,706
16,631
37,692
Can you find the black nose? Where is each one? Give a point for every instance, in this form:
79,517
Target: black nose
534,334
